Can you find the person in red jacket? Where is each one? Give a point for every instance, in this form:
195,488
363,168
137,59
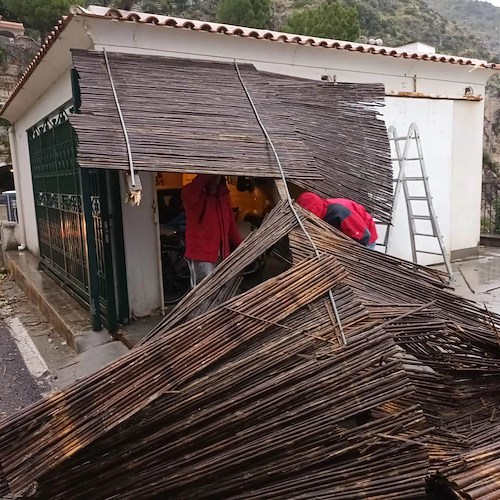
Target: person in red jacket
211,230
347,215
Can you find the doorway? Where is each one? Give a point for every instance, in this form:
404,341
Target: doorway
251,200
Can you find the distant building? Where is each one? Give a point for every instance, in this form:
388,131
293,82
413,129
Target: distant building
417,48
10,29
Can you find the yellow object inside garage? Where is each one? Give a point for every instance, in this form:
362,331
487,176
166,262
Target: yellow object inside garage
257,201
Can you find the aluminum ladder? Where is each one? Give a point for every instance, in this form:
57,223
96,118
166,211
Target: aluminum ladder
401,161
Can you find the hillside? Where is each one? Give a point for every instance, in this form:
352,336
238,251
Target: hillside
395,21
401,21
481,18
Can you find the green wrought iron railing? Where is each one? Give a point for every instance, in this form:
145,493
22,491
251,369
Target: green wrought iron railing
490,207
73,212
58,202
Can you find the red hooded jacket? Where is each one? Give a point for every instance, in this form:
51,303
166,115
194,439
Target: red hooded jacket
347,215
211,230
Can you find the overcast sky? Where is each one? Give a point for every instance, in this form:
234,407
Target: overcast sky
495,2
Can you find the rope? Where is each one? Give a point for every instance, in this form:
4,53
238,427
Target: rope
122,121
288,196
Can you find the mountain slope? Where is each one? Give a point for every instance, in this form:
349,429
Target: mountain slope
401,21
481,18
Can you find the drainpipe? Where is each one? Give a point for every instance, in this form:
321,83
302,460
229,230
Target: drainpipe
17,184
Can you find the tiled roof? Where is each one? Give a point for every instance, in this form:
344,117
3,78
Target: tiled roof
228,29
277,36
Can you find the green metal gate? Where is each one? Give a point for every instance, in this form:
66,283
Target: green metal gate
58,203
73,210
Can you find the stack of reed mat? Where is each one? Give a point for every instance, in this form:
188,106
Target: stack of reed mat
195,116
256,396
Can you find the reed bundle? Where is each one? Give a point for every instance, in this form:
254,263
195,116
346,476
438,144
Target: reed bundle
180,115
194,116
449,349
284,412
339,123
54,429
450,352
254,396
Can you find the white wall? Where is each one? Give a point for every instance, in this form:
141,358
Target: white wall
434,119
466,184
287,58
452,142
141,251
58,94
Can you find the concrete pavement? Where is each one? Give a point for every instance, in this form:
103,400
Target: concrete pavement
478,278
24,378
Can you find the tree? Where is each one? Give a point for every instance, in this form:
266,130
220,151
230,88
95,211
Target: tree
124,4
252,13
163,7
6,13
331,19
41,15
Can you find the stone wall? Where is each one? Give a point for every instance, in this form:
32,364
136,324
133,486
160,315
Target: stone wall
15,55
492,119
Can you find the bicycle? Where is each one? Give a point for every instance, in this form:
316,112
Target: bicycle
175,267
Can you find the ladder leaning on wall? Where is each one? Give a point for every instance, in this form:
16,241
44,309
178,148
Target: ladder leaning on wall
401,162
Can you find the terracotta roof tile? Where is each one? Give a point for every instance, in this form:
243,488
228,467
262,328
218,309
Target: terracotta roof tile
228,29
278,36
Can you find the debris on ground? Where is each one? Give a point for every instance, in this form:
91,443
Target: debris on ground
264,394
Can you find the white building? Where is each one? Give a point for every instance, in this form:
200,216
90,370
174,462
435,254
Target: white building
442,94
10,29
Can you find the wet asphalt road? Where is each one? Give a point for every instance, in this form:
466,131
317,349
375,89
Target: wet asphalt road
17,387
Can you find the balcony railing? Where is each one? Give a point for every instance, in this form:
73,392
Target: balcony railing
490,207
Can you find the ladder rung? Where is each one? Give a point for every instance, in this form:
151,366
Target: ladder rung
426,234
407,159
399,138
429,253
417,198
421,217
409,179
